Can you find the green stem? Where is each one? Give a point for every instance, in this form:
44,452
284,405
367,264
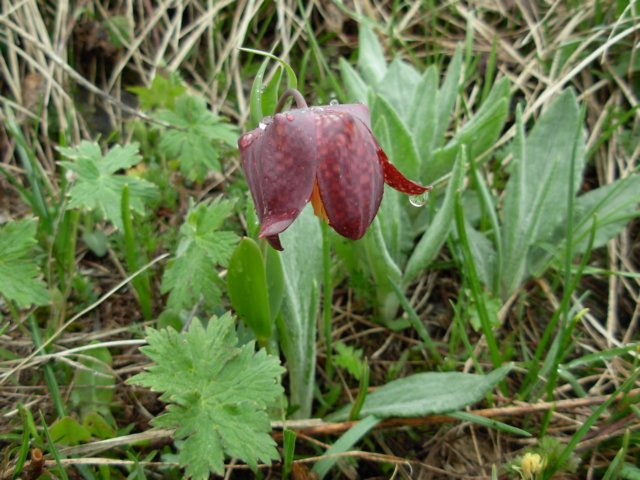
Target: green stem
141,284
328,294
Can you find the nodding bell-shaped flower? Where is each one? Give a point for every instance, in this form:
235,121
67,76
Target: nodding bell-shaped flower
324,155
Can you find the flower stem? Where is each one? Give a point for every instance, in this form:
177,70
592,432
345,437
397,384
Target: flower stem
297,96
328,294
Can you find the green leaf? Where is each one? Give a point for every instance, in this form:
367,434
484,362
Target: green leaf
484,255
489,423
302,267
433,239
427,394
383,269
94,383
218,394
536,194
263,97
98,426
98,186
162,92
612,206
371,61
255,101
67,431
275,281
423,117
396,140
514,231
247,288
550,146
197,137
447,97
398,86
269,97
356,88
191,276
479,134
629,472
348,358
19,273
343,444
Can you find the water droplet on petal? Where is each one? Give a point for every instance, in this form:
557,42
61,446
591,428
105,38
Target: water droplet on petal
317,109
334,102
262,125
290,117
419,200
246,140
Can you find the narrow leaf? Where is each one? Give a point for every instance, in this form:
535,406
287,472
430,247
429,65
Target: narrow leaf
343,444
436,234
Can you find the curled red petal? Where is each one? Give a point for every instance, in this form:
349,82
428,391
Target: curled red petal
397,180
350,177
279,160
274,241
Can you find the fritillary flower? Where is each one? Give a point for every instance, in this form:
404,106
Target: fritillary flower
324,155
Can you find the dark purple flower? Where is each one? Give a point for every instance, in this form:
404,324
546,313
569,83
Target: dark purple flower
324,155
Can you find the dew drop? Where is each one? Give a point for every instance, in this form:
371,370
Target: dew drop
334,102
419,200
246,140
317,109
262,125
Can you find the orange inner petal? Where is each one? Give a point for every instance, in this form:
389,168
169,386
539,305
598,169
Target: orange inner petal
316,201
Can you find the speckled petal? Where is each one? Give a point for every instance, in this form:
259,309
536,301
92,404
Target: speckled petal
358,110
279,160
350,177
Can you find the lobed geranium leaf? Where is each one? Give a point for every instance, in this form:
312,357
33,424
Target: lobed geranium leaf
197,137
19,274
191,276
98,186
218,393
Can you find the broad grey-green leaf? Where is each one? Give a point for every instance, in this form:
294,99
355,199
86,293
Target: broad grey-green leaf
356,88
612,205
436,234
423,115
302,267
398,86
396,140
484,255
550,147
371,61
536,197
427,394
479,134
